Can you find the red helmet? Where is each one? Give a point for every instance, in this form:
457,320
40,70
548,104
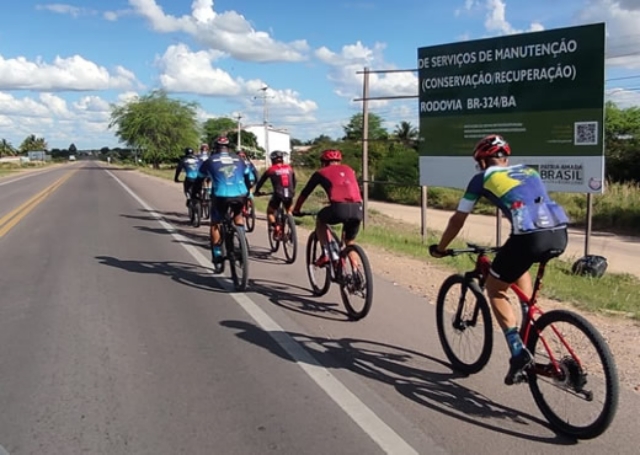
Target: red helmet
204,147
331,155
493,145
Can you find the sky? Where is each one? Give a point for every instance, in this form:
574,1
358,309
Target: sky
64,65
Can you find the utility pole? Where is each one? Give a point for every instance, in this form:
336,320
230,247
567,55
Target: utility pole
239,131
365,147
265,112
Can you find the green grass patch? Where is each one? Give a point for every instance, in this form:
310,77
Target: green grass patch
612,294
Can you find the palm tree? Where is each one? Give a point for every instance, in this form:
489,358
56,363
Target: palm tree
6,148
406,133
32,142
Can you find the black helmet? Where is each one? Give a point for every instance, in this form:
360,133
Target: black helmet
188,151
277,156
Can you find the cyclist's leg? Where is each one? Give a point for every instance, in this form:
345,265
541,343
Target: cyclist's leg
325,217
237,204
218,208
186,188
272,206
287,203
511,265
196,189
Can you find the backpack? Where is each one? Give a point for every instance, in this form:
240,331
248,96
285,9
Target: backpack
590,265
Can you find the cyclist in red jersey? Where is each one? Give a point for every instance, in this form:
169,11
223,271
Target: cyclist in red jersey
283,180
341,185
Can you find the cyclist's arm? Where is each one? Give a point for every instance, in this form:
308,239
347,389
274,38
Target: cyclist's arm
247,178
261,181
465,206
178,170
306,191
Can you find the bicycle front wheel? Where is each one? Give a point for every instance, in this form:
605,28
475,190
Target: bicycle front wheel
575,379
356,284
250,216
464,325
289,239
319,276
238,255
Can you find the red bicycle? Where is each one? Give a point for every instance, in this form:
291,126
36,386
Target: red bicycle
565,373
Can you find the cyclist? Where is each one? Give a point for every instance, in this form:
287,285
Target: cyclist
230,182
283,181
341,185
204,152
539,231
190,164
252,167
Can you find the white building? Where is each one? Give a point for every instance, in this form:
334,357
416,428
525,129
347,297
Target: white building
278,140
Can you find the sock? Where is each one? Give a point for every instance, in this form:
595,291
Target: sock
513,341
216,251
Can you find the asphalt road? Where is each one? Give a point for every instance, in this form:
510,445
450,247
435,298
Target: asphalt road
115,338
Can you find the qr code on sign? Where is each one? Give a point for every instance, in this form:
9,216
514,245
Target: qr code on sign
585,133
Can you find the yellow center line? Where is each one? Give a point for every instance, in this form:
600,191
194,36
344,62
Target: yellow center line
8,221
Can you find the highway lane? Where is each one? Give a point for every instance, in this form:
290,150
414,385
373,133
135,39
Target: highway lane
114,338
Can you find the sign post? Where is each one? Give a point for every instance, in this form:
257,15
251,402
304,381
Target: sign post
543,91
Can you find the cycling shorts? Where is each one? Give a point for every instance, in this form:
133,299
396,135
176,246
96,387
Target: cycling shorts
520,252
350,214
220,205
192,187
277,199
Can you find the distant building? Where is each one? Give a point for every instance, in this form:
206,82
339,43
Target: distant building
38,155
278,140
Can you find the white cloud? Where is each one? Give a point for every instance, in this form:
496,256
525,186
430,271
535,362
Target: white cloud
51,117
622,18
185,71
623,98
228,32
353,58
71,73
496,17
63,8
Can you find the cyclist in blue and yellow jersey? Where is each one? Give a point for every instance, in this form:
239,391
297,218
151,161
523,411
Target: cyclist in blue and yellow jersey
190,164
539,232
230,184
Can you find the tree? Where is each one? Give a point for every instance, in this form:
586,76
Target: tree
295,142
622,142
32,143
353,130
247,139
406,133
320,139
220,126
72,148
6,148
156,125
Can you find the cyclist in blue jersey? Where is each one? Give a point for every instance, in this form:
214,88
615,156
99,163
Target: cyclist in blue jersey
230,184
539,231
254,174
204,152
190,164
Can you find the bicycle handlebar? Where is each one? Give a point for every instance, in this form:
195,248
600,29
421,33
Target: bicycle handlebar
472,248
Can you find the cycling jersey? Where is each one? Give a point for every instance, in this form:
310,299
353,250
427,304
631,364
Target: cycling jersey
228,173
518,191
283,180
190,165
253,172
339,182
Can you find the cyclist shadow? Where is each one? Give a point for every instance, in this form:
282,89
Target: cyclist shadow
174,218
397,367
264,255
181,272
199,239
298,301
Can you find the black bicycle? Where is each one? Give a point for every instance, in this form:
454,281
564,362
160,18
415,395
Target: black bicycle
235,250
206,199
283,232
348,267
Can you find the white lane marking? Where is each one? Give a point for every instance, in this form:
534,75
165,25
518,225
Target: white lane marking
388,440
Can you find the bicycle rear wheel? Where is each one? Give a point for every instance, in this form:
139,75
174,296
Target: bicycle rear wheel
238,255
197,212
250,216
319,276
467,316
356,282
274,243
206,206
562,382
289,238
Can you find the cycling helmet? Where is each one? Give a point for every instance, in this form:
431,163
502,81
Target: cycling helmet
221,144
188,151
331,155
204,147
492,146
277,156
242,154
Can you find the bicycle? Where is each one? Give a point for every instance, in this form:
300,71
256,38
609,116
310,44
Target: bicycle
249,213
206,199
565,371
194,208
340,270
285,233
235,250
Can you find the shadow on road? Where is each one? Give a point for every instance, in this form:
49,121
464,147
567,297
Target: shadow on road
393,366
297,299
184,273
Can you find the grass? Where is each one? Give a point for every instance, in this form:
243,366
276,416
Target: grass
612,294
9,168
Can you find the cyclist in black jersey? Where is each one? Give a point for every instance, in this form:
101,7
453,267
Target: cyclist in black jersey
539,231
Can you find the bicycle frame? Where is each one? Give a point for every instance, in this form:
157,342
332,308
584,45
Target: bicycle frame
530,312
